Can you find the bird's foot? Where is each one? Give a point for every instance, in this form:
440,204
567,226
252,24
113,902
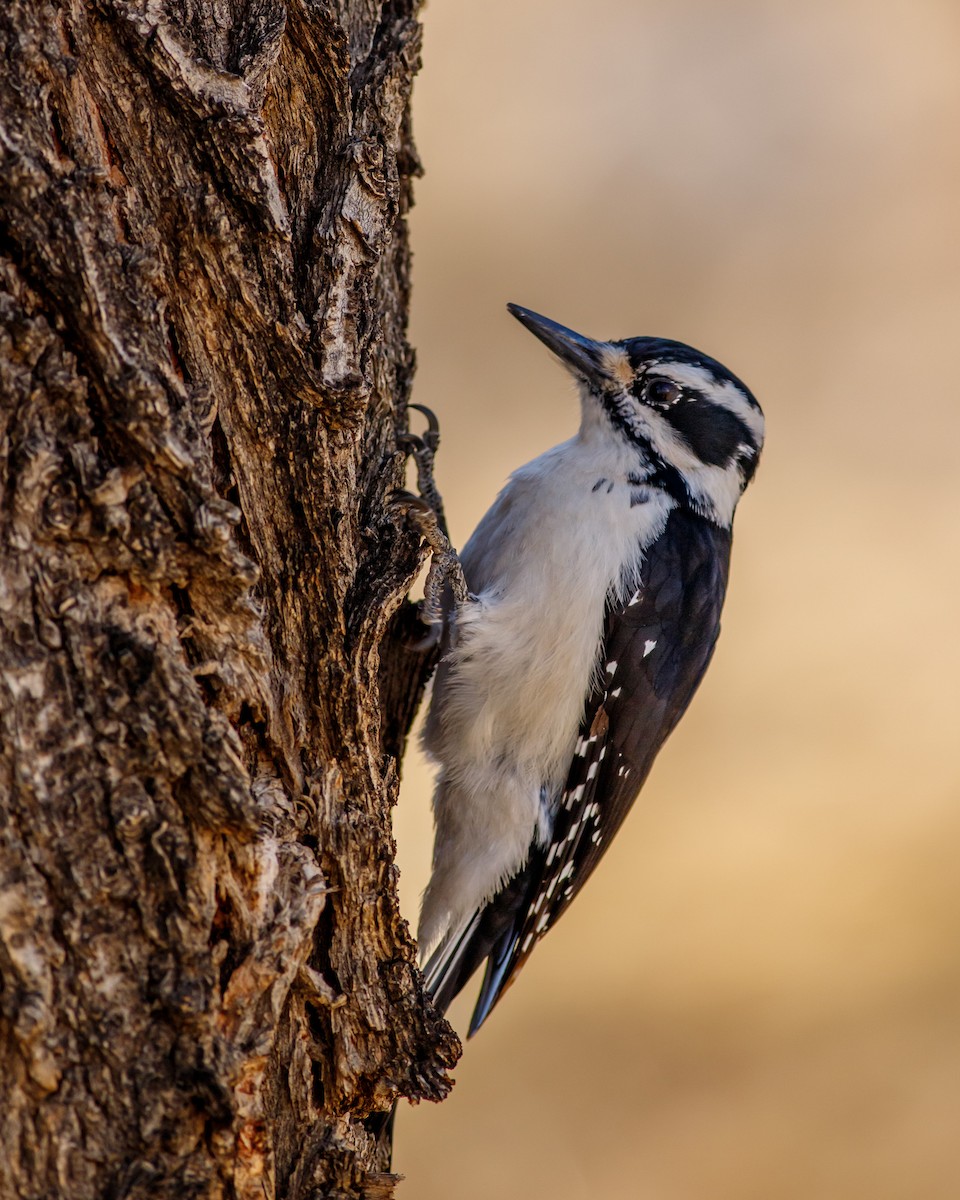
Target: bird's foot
423,450
425,513
445,569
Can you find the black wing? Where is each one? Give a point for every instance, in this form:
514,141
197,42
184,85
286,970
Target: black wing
655,651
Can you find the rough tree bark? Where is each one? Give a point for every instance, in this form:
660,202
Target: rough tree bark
206,987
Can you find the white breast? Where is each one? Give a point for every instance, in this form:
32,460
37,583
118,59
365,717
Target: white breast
508,703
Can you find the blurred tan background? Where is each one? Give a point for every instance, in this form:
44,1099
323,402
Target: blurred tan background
756,997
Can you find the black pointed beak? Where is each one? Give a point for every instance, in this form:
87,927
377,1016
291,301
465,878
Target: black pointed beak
580,354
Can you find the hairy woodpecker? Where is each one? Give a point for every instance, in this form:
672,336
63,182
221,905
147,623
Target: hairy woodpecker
584,618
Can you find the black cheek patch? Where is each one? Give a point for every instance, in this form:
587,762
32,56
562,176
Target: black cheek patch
712,433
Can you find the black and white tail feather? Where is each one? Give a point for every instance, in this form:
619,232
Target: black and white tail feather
646,492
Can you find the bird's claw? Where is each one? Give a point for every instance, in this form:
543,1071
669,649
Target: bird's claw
431,438
416,508
445,569
423,450
411,443
425,513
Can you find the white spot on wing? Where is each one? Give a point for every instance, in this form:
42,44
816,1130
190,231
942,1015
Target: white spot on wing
575,796
648,646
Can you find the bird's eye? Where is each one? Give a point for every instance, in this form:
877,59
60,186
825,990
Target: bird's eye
661,393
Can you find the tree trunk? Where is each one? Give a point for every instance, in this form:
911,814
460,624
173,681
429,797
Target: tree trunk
206,673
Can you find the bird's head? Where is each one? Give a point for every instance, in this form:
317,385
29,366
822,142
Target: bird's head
695,427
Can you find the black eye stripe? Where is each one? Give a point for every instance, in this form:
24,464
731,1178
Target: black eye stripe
712,432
